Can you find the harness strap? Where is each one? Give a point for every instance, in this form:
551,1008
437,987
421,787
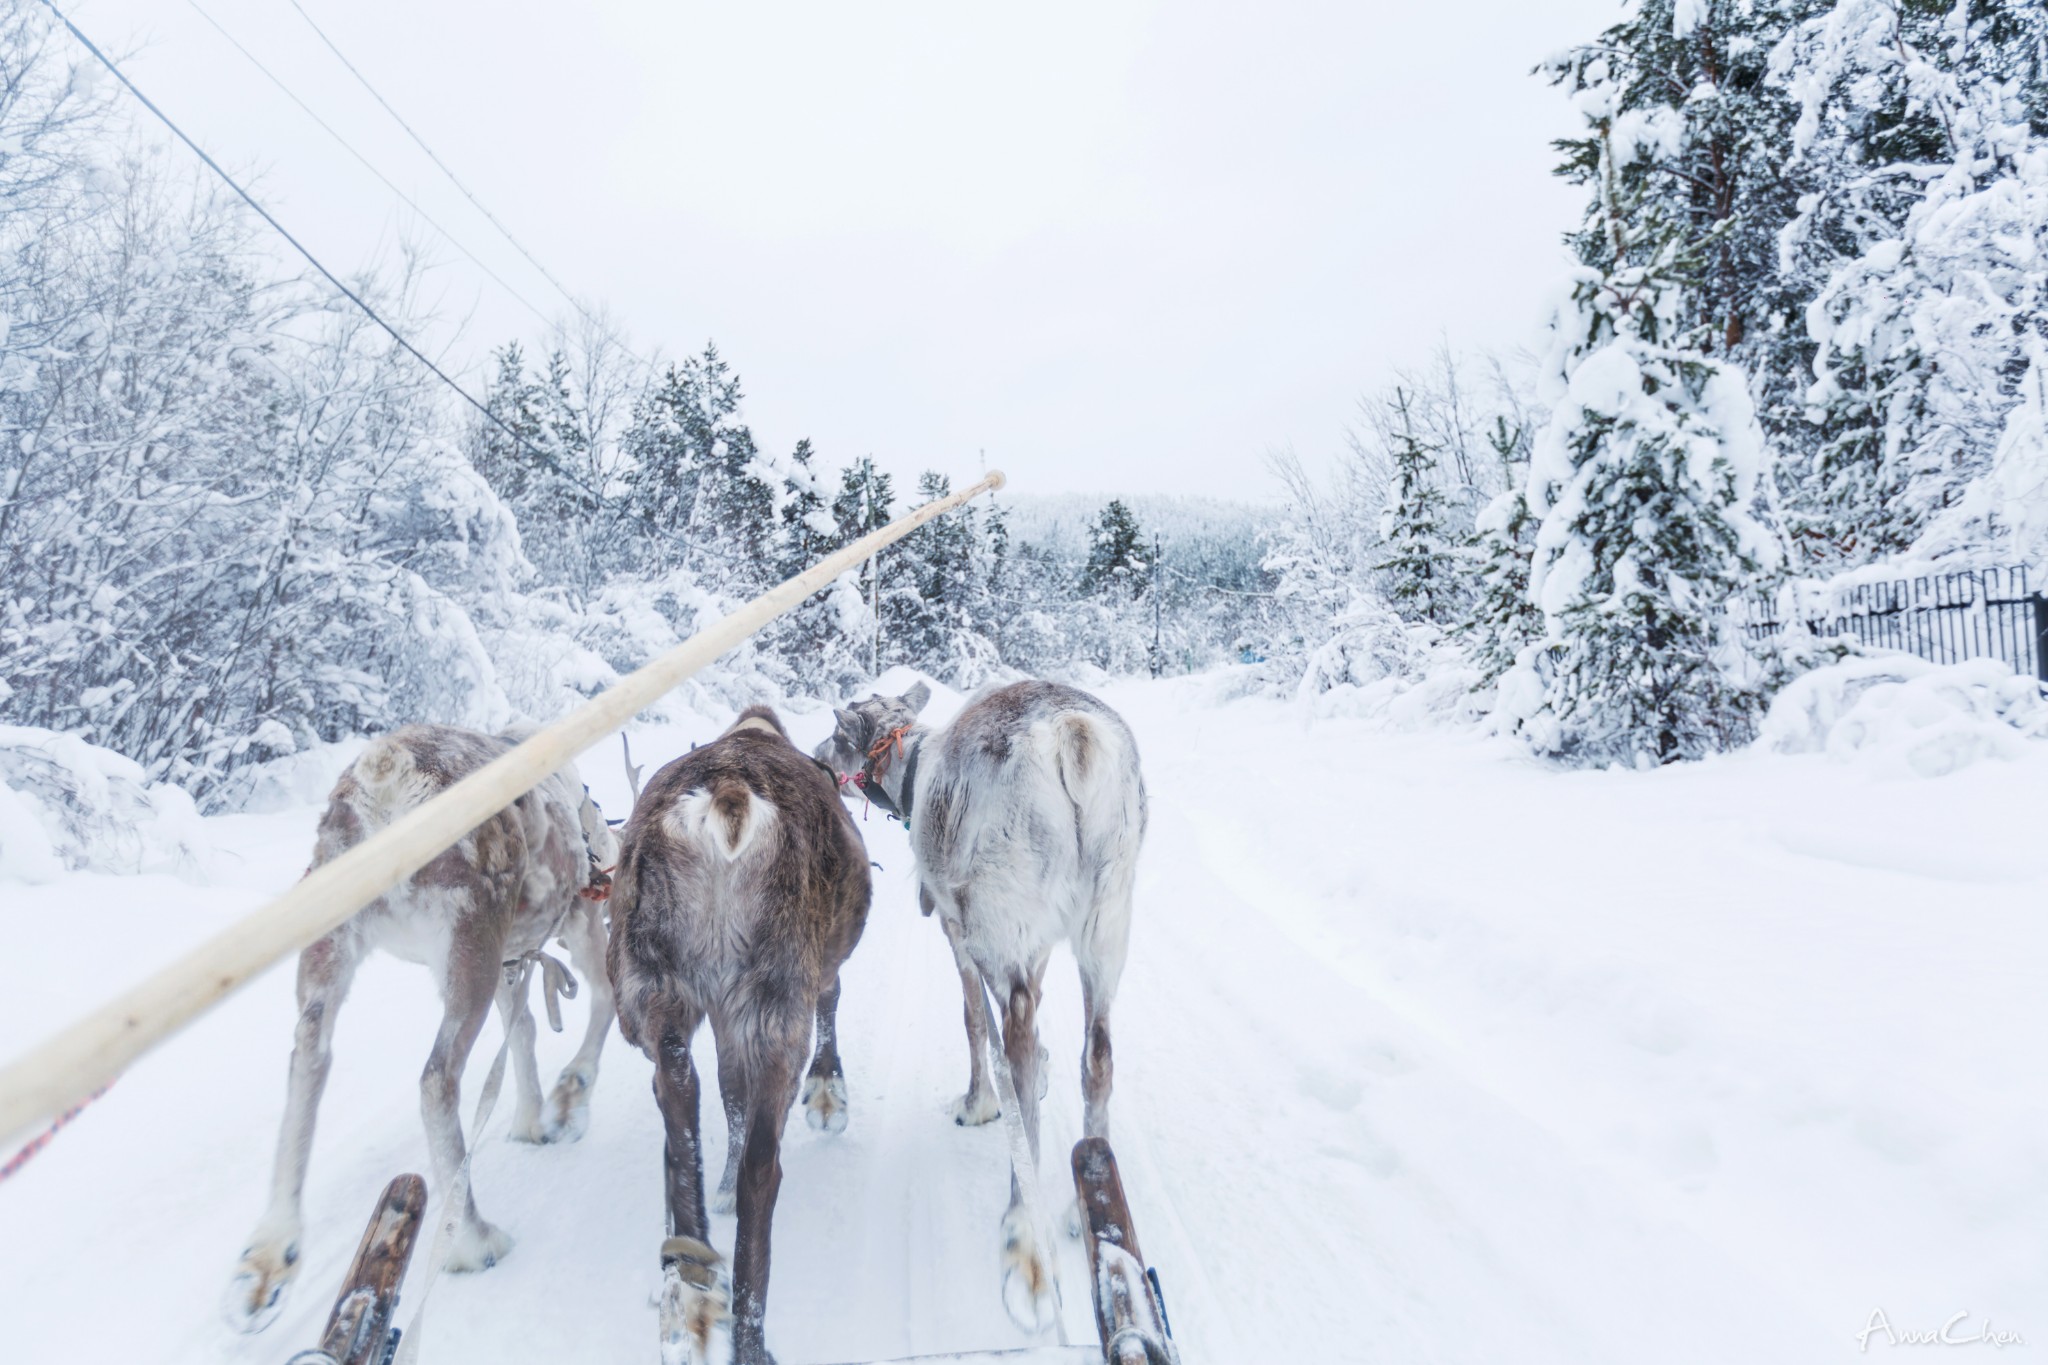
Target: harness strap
557,983
516,972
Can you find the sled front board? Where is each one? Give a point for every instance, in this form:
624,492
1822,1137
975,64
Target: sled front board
359,1329
1125,1296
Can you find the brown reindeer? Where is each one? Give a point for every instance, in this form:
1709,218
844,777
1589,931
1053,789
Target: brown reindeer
475,916
742,887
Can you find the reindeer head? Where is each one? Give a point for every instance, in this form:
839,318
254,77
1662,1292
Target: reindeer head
864,725
599,836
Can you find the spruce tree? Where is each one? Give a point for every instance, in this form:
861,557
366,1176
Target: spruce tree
1689,84
695,474
503,458
1419,565
1642,480
927,613
1502,621
1923,150
1117,557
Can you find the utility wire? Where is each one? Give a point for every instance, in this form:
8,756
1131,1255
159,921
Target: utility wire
351,295
453,179
328,128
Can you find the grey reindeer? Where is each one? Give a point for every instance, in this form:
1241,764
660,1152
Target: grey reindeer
1025,816
742,888
476,917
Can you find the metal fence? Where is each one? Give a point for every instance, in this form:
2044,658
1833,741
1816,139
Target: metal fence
1946,618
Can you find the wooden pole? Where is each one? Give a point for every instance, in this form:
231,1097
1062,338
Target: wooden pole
98,1047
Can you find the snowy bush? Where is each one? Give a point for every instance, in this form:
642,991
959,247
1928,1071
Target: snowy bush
69,806
1904,715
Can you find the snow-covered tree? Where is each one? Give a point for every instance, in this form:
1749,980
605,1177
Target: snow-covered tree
1420,563
1501,621
697,476
1923,139
1642,480
1714,175
1118,558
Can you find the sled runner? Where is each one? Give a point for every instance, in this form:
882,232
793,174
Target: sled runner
1130,1310
359,1331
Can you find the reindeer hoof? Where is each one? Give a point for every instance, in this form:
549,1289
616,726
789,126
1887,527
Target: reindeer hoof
568,1112
528,1130
1028,1294
976,1108
262,1279
825,1103
479,1247
696,1304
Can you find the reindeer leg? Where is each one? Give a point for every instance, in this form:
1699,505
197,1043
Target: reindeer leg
1027,1267
695,1296
979,1104
256,1293
824,1095
516,1012
1098,992
732,1096
771,1087
568,1108
470,984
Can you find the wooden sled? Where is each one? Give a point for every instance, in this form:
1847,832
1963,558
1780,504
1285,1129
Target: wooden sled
1130,1310
359,1330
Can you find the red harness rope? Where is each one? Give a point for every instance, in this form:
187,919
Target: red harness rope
42,1140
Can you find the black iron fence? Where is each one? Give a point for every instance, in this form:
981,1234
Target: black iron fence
1946,618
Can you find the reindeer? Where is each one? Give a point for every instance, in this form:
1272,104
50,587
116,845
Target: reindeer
1025,817
742,888
476,917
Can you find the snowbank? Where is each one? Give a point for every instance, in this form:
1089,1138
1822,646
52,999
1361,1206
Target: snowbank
70,806
1906,716
287,782
1377,667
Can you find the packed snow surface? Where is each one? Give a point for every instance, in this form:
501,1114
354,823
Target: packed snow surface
1426,1052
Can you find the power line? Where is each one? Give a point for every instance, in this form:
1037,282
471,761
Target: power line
453,179
367,165
351,295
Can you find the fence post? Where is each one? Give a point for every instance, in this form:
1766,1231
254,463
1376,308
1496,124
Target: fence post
2041,636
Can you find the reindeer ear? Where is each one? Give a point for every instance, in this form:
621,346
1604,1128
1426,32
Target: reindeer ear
849,723
917,697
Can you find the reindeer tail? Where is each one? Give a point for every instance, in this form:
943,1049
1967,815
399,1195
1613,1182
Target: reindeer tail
725,819
1099,771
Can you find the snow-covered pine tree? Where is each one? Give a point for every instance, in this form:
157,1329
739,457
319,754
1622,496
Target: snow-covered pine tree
1715,176
928,604
1419,563
1118,556
1641,479
1923,146
1501,620
503,457
824,641
696,475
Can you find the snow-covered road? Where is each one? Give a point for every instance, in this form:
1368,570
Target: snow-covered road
1425,1053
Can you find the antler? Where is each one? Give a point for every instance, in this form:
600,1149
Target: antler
632,768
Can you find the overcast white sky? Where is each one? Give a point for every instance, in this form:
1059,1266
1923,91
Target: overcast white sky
1120,247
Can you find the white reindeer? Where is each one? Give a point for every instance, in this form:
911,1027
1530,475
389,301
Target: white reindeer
476,916
1025,815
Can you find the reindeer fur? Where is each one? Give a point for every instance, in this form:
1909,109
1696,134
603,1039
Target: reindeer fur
470,917
742,888
1025,815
